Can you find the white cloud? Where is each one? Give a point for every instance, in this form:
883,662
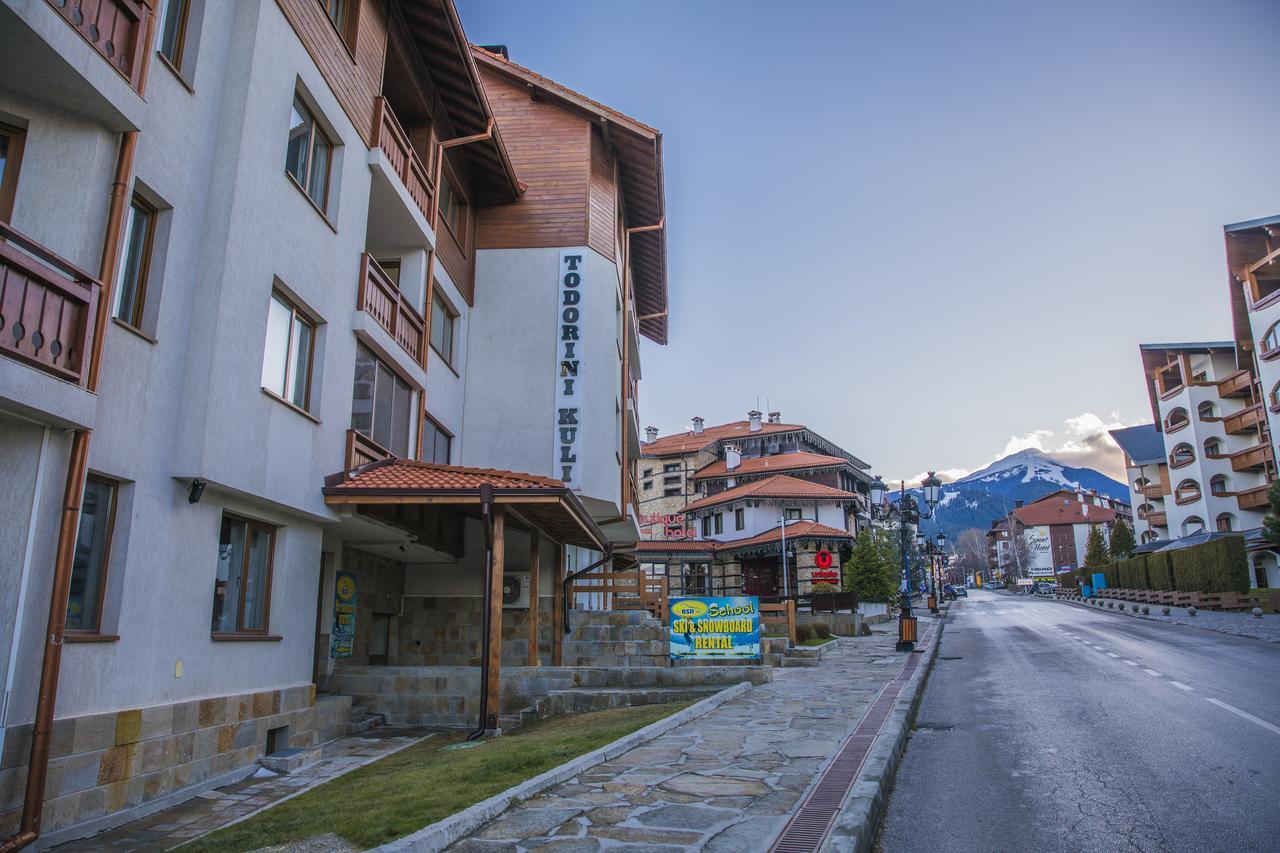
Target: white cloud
946,475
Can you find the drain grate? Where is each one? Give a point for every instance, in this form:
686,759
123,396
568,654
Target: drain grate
953,657
811,824
932,727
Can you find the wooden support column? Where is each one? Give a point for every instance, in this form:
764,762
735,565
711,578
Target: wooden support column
535,570
557,609
493,697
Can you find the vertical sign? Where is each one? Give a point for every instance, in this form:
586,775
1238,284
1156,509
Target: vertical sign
343,638
569,357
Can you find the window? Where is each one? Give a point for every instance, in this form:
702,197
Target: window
381,404
436,443
1206,410
668,481
286,362
1144,510
672,493
1182,455
308,156
1225,522
93,547
1140,484
135,262
793,514
1219,485
11,139
739,519
1193,525
671,467
1148,536
706,525
242,586
648,472
648,484
1274,396
719,522
451,208
1188,491
337,11
172,32
1212,447
443,320
1176,420
1270,341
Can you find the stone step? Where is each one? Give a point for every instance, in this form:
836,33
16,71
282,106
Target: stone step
289,760
359,725
598,699
789,662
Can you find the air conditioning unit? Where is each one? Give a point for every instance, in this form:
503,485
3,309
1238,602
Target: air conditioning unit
515,590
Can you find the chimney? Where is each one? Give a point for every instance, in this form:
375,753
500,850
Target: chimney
697,426
650,434
1017,504
775,417
732,457
754,417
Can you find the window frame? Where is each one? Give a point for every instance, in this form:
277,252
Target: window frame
104,571
240,631
17,137
373,410
136,316
706,525
449,187
348,27
1272,333
295,314
451,314
180,38
431,423
787,514
309,112
739,519
719,523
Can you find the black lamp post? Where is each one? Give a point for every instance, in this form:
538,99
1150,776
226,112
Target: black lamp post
935,552
908,513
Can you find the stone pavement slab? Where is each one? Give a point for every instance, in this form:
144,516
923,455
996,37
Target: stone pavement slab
728,780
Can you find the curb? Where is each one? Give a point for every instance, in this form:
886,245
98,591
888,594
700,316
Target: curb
855,826
439,835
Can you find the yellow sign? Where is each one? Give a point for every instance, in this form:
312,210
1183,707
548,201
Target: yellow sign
689,608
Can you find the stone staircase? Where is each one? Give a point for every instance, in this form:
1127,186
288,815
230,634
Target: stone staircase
615,638
338,715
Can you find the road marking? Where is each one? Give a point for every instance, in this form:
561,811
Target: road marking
1131,662
1113,655
1154,672
1181,686
1250,717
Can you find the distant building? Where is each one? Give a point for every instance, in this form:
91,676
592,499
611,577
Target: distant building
1055,530
1147,473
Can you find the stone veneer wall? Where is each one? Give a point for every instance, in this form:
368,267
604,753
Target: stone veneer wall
448,631
104,763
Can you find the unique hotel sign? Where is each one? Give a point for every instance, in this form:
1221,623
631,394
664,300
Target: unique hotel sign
569,357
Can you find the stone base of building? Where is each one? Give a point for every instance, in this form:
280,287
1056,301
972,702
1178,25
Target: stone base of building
114,764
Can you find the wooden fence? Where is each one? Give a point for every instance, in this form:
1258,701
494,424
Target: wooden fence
632,590
785,616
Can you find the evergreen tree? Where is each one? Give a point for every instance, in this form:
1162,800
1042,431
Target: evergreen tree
1271,524
1095,549
865,571
1122,542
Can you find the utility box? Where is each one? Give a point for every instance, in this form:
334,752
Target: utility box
1099,580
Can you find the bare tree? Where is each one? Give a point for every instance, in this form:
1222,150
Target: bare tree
971,550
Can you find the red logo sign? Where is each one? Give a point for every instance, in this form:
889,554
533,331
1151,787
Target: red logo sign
828,575
822,559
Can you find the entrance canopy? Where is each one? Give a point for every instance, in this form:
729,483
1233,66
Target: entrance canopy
539,503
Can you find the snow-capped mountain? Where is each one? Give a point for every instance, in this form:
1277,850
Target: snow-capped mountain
1028,475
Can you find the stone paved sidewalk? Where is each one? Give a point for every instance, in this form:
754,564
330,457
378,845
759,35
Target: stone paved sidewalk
1266,627
725,781
216,808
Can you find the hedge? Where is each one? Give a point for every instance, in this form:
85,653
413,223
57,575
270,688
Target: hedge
1219,565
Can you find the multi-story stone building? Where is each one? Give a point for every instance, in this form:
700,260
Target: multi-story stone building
271,272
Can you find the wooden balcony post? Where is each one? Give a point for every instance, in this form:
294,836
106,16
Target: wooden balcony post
535,570
557,609
493,695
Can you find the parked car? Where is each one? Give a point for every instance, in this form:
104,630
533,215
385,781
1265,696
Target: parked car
962,592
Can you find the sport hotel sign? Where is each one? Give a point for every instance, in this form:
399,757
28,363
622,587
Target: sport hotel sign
724,627
569,350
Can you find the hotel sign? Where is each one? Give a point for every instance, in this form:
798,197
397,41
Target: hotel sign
569,358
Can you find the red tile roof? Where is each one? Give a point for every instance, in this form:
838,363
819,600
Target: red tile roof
687,442
795,530
779,462
1062,511
777,486
662,546
406,474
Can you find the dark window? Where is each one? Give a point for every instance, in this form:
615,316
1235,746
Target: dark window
793,514
135,262
668,468
93,547
672,493
648,484
739,519
443,320
719,522
286,362
436,443
242,587
309,154
171,35
11,139
452,208
648,472
706,525
381,404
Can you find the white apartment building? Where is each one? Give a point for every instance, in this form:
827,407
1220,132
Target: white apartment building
270,273
1147,473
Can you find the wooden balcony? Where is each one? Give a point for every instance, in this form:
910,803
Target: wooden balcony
1250,458
361,450
1157,519
381,299
1245,420
1236,385
1154,492
117,29
1253,498
48,308
389,136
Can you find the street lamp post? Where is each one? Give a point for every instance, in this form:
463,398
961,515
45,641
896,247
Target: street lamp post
935,552
909,513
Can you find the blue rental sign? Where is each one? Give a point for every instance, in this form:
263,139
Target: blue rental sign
723,627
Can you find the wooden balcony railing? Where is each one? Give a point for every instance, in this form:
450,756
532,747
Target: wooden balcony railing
394,142
1251,457
117,29
1155,491
1245,420
1157,519
48,308
1236,385
361,450
1252,498
382,300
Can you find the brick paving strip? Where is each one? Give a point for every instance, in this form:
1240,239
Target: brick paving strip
728,780
232,803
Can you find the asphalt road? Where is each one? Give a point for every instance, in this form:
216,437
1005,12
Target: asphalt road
1046,726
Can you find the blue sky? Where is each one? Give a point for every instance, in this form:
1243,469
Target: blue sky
932,231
